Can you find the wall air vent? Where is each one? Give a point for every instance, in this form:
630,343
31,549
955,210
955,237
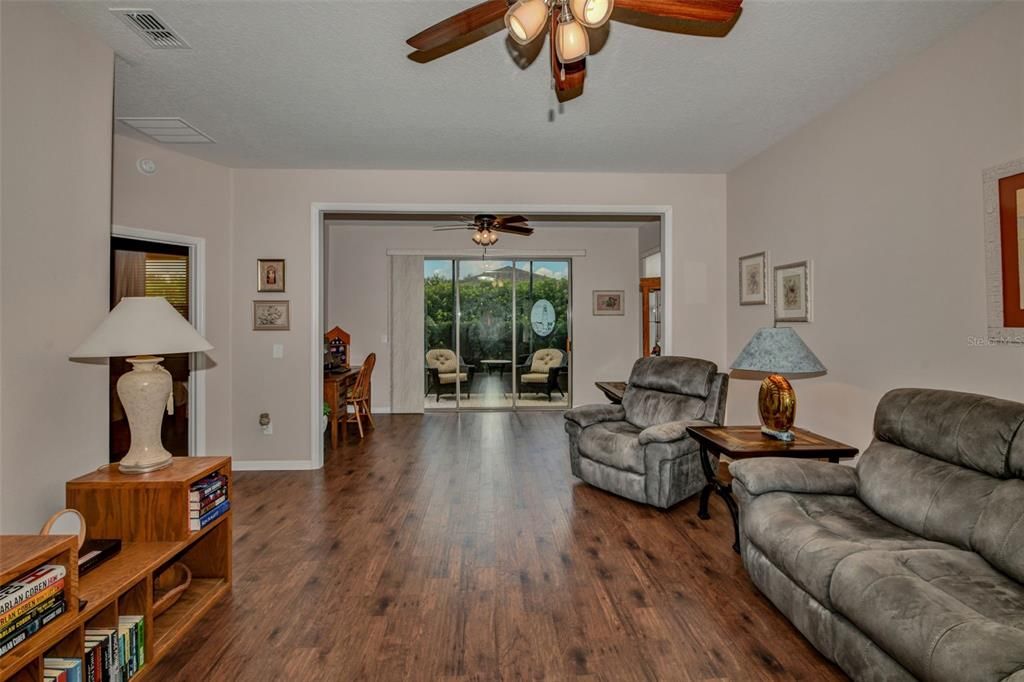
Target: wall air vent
167,130
152,28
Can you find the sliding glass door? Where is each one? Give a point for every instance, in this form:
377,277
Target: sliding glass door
497,334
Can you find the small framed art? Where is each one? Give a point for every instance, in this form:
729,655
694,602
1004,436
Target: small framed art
793,292
609,303
268,316
754,279
271,275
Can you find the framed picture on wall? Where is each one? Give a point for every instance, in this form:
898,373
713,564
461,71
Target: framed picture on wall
793,292
609,302
271,275
271,316
1004,251
754,279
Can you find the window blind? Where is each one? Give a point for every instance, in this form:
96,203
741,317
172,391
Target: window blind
167,276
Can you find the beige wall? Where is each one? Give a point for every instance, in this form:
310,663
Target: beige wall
884,195
272,217
604,347
57,93
189,197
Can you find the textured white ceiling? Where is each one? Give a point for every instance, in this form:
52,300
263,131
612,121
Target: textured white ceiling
328,84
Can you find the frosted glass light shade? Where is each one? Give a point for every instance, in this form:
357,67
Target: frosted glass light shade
142,325
592,13
525,20
571,42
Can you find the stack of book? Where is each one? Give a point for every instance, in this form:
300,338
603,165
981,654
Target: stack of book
63,670
115,654
30,602
207,501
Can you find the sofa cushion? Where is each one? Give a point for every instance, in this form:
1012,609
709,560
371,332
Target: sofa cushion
669,374
964,429
947,503
944,614
452,378
808,535
615,444
534,378
443,360
545,359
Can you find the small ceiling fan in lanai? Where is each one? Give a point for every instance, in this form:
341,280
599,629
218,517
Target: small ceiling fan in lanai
567,23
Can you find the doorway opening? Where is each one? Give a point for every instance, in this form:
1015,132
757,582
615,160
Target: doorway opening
149,263
497,333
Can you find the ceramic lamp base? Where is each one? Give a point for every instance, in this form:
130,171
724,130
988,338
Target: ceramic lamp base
145,392
776,404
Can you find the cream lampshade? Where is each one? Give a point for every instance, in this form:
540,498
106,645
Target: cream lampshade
592,13
139,328
526,19
571,40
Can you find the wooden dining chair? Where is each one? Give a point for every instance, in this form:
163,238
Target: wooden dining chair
359,398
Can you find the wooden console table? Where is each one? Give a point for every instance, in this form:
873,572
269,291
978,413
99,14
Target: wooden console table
149,513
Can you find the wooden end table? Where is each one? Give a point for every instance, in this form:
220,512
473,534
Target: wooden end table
745,442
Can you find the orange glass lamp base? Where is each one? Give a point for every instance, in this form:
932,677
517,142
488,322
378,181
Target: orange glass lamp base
776,403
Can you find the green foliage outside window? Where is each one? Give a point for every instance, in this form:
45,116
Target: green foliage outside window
487,315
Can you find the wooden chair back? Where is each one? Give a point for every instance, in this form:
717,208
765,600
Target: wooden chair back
361,389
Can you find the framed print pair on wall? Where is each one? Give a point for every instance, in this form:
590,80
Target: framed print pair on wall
791,284
270,315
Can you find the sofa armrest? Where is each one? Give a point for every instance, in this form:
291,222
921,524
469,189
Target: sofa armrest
669,431
588,415
782,474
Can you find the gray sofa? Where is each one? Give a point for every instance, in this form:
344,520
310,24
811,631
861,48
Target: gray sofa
640,449
912,564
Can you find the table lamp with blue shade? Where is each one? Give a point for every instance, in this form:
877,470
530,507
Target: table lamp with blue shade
778,352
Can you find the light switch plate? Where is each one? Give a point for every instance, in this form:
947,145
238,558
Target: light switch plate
278,351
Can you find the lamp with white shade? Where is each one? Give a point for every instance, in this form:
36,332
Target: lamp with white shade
140,328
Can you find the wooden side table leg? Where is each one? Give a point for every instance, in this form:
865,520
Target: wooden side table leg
709,476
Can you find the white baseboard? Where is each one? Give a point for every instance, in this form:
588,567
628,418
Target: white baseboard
381,410
272,465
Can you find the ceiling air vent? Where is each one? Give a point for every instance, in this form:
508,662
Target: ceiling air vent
152,28
168,130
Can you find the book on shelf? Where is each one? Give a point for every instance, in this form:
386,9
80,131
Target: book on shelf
30,604
199,511
27,586
70,668
209,517
34,626
207,486
24,619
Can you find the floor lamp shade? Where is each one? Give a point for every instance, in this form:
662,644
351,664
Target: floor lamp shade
140,329
778,352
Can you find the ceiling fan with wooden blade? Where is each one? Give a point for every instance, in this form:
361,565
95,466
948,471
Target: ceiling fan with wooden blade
486,227
567,22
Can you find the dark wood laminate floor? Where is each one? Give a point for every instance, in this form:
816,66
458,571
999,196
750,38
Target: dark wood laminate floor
451,547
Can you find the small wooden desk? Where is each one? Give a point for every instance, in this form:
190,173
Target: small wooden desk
613,390
745,442
336,385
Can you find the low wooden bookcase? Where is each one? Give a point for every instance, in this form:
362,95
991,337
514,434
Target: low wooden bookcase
149,513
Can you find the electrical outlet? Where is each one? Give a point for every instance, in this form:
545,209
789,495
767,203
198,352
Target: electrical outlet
268,429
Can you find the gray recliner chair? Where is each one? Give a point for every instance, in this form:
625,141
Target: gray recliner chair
640,449
912,564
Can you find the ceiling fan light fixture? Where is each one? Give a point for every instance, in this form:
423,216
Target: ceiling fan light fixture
592,13
525,20
572,43
485,237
